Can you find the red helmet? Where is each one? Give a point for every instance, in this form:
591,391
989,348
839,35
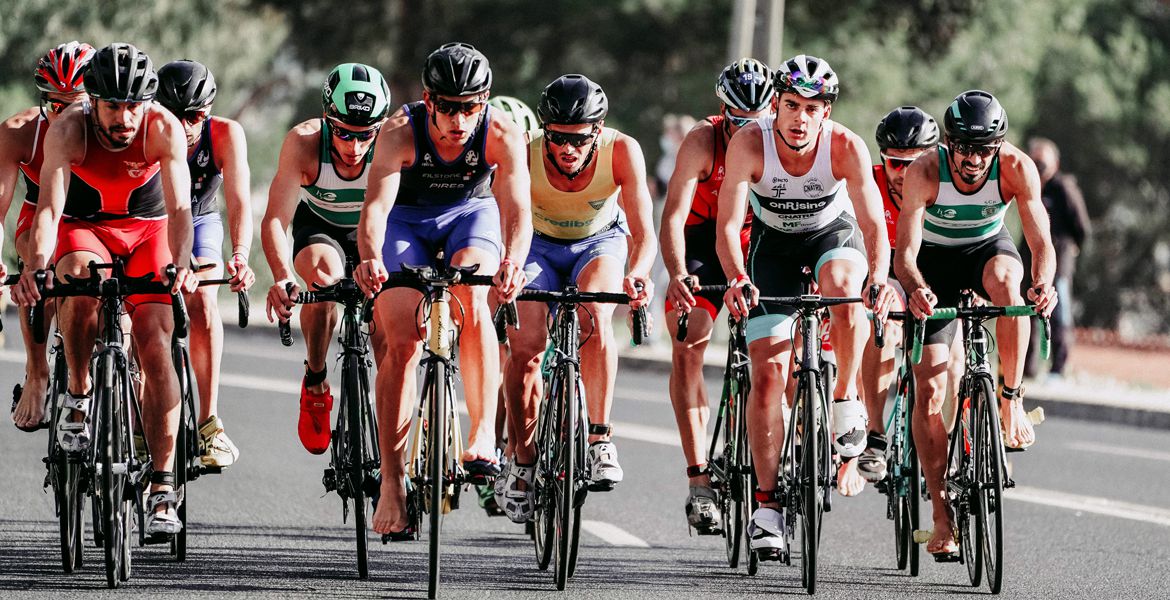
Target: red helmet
61,70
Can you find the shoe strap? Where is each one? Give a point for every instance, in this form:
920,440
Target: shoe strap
600,428
698,470
768,496
1011,394
78,403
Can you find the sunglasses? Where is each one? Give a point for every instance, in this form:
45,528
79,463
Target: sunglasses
349,135
896,164
980,150
451,107
195,117
576,140
54,106
739,121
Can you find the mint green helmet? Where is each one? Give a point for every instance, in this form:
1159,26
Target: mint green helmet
517,110
356,94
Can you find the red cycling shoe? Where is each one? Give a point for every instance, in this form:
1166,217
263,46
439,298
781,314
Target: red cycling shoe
313,425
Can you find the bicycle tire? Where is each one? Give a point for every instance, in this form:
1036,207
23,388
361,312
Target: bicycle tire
731,491
914,471
566,491
543,533
109,455
989,475
810,480
353,402
967,508
186,447
436,460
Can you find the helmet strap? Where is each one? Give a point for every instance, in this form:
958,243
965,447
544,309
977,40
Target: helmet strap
790,146
584,164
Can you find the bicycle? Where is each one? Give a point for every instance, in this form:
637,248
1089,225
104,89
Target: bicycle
187,451
435,475
976,473
109,470
354,458
561,481
730,468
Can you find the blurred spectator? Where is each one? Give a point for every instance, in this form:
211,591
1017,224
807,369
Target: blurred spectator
674,129
1070,229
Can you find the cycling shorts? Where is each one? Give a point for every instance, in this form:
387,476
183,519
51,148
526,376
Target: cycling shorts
208,244
553,263
703,262
309,229
775,261
24,220
949,270
141,244
416,234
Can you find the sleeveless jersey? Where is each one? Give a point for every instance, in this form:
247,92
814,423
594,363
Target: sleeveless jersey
957,218
206,178
31,170
332,197
889,207
432,181
798,203
115,184
705,203
574,215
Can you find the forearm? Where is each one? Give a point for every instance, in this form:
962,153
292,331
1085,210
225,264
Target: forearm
180,235
372,230
641,255
517,220
240,226
274,241
730,252
43,236
673,246
879,253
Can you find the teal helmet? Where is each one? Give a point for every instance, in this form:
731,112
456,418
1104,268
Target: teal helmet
356,95
517,110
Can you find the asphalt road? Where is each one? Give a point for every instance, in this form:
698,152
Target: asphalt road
1091,519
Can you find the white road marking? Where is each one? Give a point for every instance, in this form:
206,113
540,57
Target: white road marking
1091,504
1121,451
612,534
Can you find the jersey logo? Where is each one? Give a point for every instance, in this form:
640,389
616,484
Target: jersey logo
202,159
427,161
329,196
472,158
719,173
948,213
134,169
780,187
813,188
597,204
990,210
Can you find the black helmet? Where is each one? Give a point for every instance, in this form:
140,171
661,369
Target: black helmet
907,128
456,69
572,100
745,84
121,73
975,117
185,85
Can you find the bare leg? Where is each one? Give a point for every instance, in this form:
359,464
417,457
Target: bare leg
688,393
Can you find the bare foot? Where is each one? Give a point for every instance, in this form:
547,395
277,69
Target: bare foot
1018,431
390,515
849,481
483,448
30,411
942,539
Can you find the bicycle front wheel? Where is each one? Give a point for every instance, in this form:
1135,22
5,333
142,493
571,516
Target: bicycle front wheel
810,459
544,517
354,402
566,491
989,475
436,461
111,456
186,447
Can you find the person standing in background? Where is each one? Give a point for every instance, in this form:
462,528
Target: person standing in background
1070,229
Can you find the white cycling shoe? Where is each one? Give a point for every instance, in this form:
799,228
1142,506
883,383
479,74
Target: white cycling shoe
849,426
215,447
604,471
164,522
766,530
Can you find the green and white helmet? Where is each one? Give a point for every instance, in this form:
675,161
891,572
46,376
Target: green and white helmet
517,110
356,95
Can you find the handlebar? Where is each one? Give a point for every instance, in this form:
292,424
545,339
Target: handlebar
982,313
506,316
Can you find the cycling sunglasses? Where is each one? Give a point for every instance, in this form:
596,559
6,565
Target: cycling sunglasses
980,150
195,117
576,140
451,107
54,106
350,135
896,164
739,121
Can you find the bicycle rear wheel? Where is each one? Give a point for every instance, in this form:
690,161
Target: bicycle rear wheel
567,513
354,454
730,489
436,461
186,447
544,529
914,490
112,463
966,506
989,475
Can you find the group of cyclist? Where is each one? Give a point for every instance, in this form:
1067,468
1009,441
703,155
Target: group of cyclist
132,163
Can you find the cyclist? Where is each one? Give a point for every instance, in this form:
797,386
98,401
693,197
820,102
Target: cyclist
585,176
951,237
130,200
902,136
320,185
518,111
217,155
798,220
688,250
431,190
59,80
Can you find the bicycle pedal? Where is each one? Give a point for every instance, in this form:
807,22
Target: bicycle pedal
600,486
770,555
329,480
158,538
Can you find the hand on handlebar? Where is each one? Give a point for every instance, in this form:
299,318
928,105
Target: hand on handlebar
741,297
640,288
922,302
241,274
509,280
25,292
879,299
1044,296
679,292
369,275
185,281
279,303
